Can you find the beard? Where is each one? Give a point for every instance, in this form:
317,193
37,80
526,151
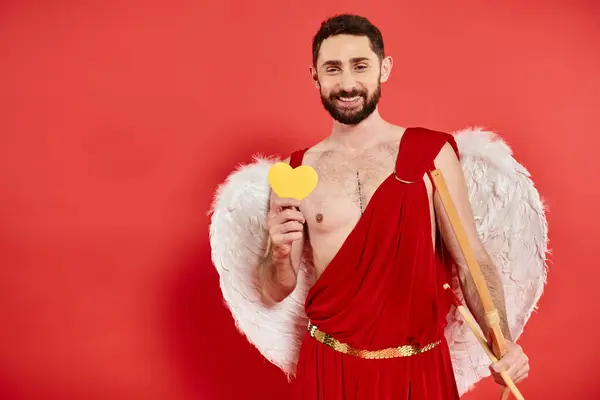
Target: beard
356,115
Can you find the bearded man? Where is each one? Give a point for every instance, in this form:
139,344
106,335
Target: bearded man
379,239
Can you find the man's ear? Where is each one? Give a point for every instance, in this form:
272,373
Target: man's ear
386,68
314,77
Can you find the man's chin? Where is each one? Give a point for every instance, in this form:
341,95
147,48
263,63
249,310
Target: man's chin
349,119
346,115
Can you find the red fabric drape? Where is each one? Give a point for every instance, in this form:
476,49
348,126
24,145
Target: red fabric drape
384,289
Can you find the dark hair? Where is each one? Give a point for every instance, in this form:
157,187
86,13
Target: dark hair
348,24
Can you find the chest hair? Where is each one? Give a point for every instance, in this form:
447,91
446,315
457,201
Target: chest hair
351,180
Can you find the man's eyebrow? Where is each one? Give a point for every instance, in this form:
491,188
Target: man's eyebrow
331,63
337,63
359,59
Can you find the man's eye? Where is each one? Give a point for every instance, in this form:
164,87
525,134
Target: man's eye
361,67
332,70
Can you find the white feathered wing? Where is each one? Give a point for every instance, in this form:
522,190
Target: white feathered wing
238,239
511,223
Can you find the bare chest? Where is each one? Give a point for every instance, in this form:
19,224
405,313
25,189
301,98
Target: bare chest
346,186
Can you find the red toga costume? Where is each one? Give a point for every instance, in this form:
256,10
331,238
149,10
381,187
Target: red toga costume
383,289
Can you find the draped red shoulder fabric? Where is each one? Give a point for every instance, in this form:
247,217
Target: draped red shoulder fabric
384,289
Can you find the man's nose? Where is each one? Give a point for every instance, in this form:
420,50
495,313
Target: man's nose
348,82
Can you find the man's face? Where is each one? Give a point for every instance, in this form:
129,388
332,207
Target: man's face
348,74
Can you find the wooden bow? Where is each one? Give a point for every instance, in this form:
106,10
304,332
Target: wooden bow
492,317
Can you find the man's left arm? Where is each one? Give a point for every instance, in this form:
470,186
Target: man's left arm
515,362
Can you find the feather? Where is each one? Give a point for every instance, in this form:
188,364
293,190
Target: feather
511,222
238,233
510,218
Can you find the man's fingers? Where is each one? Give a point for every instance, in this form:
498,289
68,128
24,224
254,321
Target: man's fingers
289,214
286,238
522,374
504,363
512,370
283,202
517,368
522,371
499,366
291,226
516,377
276,219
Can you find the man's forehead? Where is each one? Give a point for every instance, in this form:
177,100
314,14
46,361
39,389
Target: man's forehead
344,48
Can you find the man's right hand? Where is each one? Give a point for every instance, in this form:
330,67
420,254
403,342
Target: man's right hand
286,225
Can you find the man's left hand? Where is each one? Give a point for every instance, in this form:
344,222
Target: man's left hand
514,362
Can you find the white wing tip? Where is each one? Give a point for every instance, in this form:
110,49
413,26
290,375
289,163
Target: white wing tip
242,172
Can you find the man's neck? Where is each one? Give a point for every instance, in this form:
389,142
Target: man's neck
361,136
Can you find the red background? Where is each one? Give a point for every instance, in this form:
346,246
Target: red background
118,120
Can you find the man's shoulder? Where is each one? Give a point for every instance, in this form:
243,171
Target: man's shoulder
440,143
427,137
302,152
425,131
416,134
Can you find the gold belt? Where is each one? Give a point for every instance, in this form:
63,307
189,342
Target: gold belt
392,352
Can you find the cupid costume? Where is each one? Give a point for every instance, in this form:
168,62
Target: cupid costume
377,323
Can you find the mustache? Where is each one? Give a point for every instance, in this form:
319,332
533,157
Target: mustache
345,93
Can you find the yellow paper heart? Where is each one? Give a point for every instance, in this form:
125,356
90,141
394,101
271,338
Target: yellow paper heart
296,183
